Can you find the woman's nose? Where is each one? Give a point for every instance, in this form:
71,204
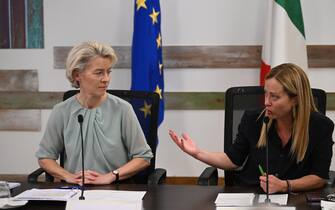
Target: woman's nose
267,101
105,77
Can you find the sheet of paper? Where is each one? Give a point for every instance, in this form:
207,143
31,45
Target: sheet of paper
12,185
47,194
280,199
235,199
255,208
115,195
106,200
89,204
8,203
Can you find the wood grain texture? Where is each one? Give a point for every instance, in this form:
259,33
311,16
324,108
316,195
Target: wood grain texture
35,34
29,100
18,32
179,57
20,120
18,80
173,100
321,56
10,117
4,24
123,53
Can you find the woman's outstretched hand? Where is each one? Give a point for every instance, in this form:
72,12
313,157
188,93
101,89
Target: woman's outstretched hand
185,143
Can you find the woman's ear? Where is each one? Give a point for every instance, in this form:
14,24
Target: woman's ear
75,75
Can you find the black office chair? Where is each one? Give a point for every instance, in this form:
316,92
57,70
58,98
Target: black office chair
237,101
150,175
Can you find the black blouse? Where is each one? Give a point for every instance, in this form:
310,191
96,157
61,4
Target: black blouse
281,163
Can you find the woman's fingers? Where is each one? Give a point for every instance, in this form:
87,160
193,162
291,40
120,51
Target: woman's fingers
174,137
186,136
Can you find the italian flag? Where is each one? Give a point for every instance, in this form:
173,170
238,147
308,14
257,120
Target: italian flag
284,40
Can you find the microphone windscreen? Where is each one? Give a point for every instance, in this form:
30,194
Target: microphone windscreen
80,118
266,119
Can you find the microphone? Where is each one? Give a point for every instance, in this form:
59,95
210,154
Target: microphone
266,121
80,121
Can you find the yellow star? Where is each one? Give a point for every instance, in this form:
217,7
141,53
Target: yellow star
159,40
146,109
154,16
159,91
141,3
160,68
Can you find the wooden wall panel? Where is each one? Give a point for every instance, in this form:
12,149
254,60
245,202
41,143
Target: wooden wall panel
24,119
173,100
123,53
4,25
29,100
18,80
35,34
18,32
320,56
20,120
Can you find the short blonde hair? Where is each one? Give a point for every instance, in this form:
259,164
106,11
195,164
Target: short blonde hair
82,53
296,84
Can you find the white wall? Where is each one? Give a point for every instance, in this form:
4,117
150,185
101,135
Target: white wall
184,22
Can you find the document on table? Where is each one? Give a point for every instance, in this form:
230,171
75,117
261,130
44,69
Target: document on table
107,199
116,195
235,199
12,185
47,194
280,199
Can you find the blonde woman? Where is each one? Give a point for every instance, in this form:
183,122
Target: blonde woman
115,146
300,138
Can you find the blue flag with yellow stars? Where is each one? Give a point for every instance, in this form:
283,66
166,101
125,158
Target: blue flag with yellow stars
147,63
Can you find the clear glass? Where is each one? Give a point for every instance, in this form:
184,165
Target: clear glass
4,190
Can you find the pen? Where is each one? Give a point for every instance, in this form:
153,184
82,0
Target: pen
261,170
69,187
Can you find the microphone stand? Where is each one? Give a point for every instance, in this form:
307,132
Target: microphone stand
267,201
80,120
266,121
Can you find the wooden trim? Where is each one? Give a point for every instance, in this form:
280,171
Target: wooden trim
185,180
173,100
238,56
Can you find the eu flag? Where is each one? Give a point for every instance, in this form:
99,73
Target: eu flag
147,62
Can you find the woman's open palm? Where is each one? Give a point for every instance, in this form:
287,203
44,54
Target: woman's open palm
185,143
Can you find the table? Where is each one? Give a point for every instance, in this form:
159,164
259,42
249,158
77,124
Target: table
163,197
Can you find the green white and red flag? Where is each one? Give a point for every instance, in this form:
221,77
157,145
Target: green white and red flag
284,40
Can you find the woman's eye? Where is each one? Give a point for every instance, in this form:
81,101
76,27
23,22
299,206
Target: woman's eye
274,97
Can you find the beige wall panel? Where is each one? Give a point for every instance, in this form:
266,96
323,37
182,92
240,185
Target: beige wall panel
18,80
19,120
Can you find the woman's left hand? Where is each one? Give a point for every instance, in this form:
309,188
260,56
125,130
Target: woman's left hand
275,184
